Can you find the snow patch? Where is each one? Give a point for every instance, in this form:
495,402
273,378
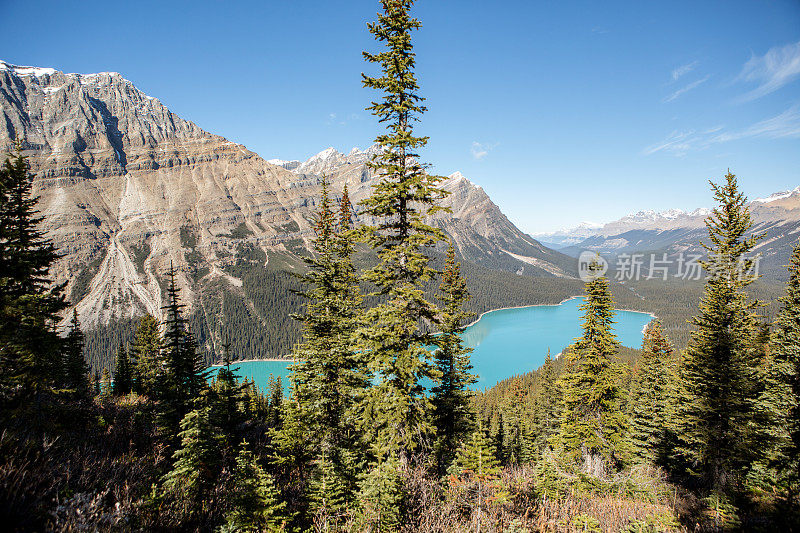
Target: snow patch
777,196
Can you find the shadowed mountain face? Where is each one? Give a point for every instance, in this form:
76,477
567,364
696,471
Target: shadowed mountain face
128,188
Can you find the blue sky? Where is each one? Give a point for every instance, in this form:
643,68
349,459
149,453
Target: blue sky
562,111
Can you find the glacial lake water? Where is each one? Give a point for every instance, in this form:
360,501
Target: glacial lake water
505,342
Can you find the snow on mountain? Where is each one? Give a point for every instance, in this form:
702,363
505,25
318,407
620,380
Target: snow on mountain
778,196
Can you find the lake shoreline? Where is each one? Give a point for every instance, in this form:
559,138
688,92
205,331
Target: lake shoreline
288,360
552,305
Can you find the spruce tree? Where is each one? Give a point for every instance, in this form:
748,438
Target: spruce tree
76,370
381,495
31,359
452,413
649,396
254,500
196,463
123,380
784,396
717,373
146,350
546,419
331,376
593,423
393,340
184,375
477,468
230,396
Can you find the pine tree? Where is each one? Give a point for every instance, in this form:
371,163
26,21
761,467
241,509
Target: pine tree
784,397
546,419
593,423
76,370
717,374
477,456
255,502
381,495
30,350
476,468
331,376
146,350
393,340
196,462
184,375
452,413
648,403
123,381
230,396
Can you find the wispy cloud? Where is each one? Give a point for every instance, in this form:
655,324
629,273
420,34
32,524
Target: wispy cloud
779,66
686,89
785,125
679,143
683,70
336,119
481,150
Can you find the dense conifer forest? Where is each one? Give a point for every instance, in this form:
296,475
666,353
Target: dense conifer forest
697,431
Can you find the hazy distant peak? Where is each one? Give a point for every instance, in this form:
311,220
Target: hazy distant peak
778,196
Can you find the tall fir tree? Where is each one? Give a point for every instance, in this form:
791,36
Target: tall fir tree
784,396
76,369
146,355
123,378
184,375
453,418
593,423
718,369
546,416
331,376
393,339
648,408
30,350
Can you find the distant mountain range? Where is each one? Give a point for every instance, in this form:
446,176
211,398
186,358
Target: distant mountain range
676,231
128,188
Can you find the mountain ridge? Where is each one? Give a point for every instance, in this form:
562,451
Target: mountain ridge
128,188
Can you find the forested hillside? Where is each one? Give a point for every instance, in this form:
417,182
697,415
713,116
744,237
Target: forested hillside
699,430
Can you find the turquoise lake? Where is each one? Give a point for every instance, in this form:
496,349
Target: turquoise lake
505,342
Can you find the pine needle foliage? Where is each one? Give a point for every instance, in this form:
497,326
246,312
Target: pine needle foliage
31,358
784,397
546,410
184,374
76,370
331,376
593,424
394,340
453,418
123,377
649,396
255,502
196,462
719,368
146,355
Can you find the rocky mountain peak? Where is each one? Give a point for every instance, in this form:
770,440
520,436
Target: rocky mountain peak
127,188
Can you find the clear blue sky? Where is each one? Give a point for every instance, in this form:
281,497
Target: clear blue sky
562,111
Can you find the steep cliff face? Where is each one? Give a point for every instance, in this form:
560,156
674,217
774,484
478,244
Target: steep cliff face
128,188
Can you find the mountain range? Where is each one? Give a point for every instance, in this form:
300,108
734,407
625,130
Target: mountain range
127,189
676,231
